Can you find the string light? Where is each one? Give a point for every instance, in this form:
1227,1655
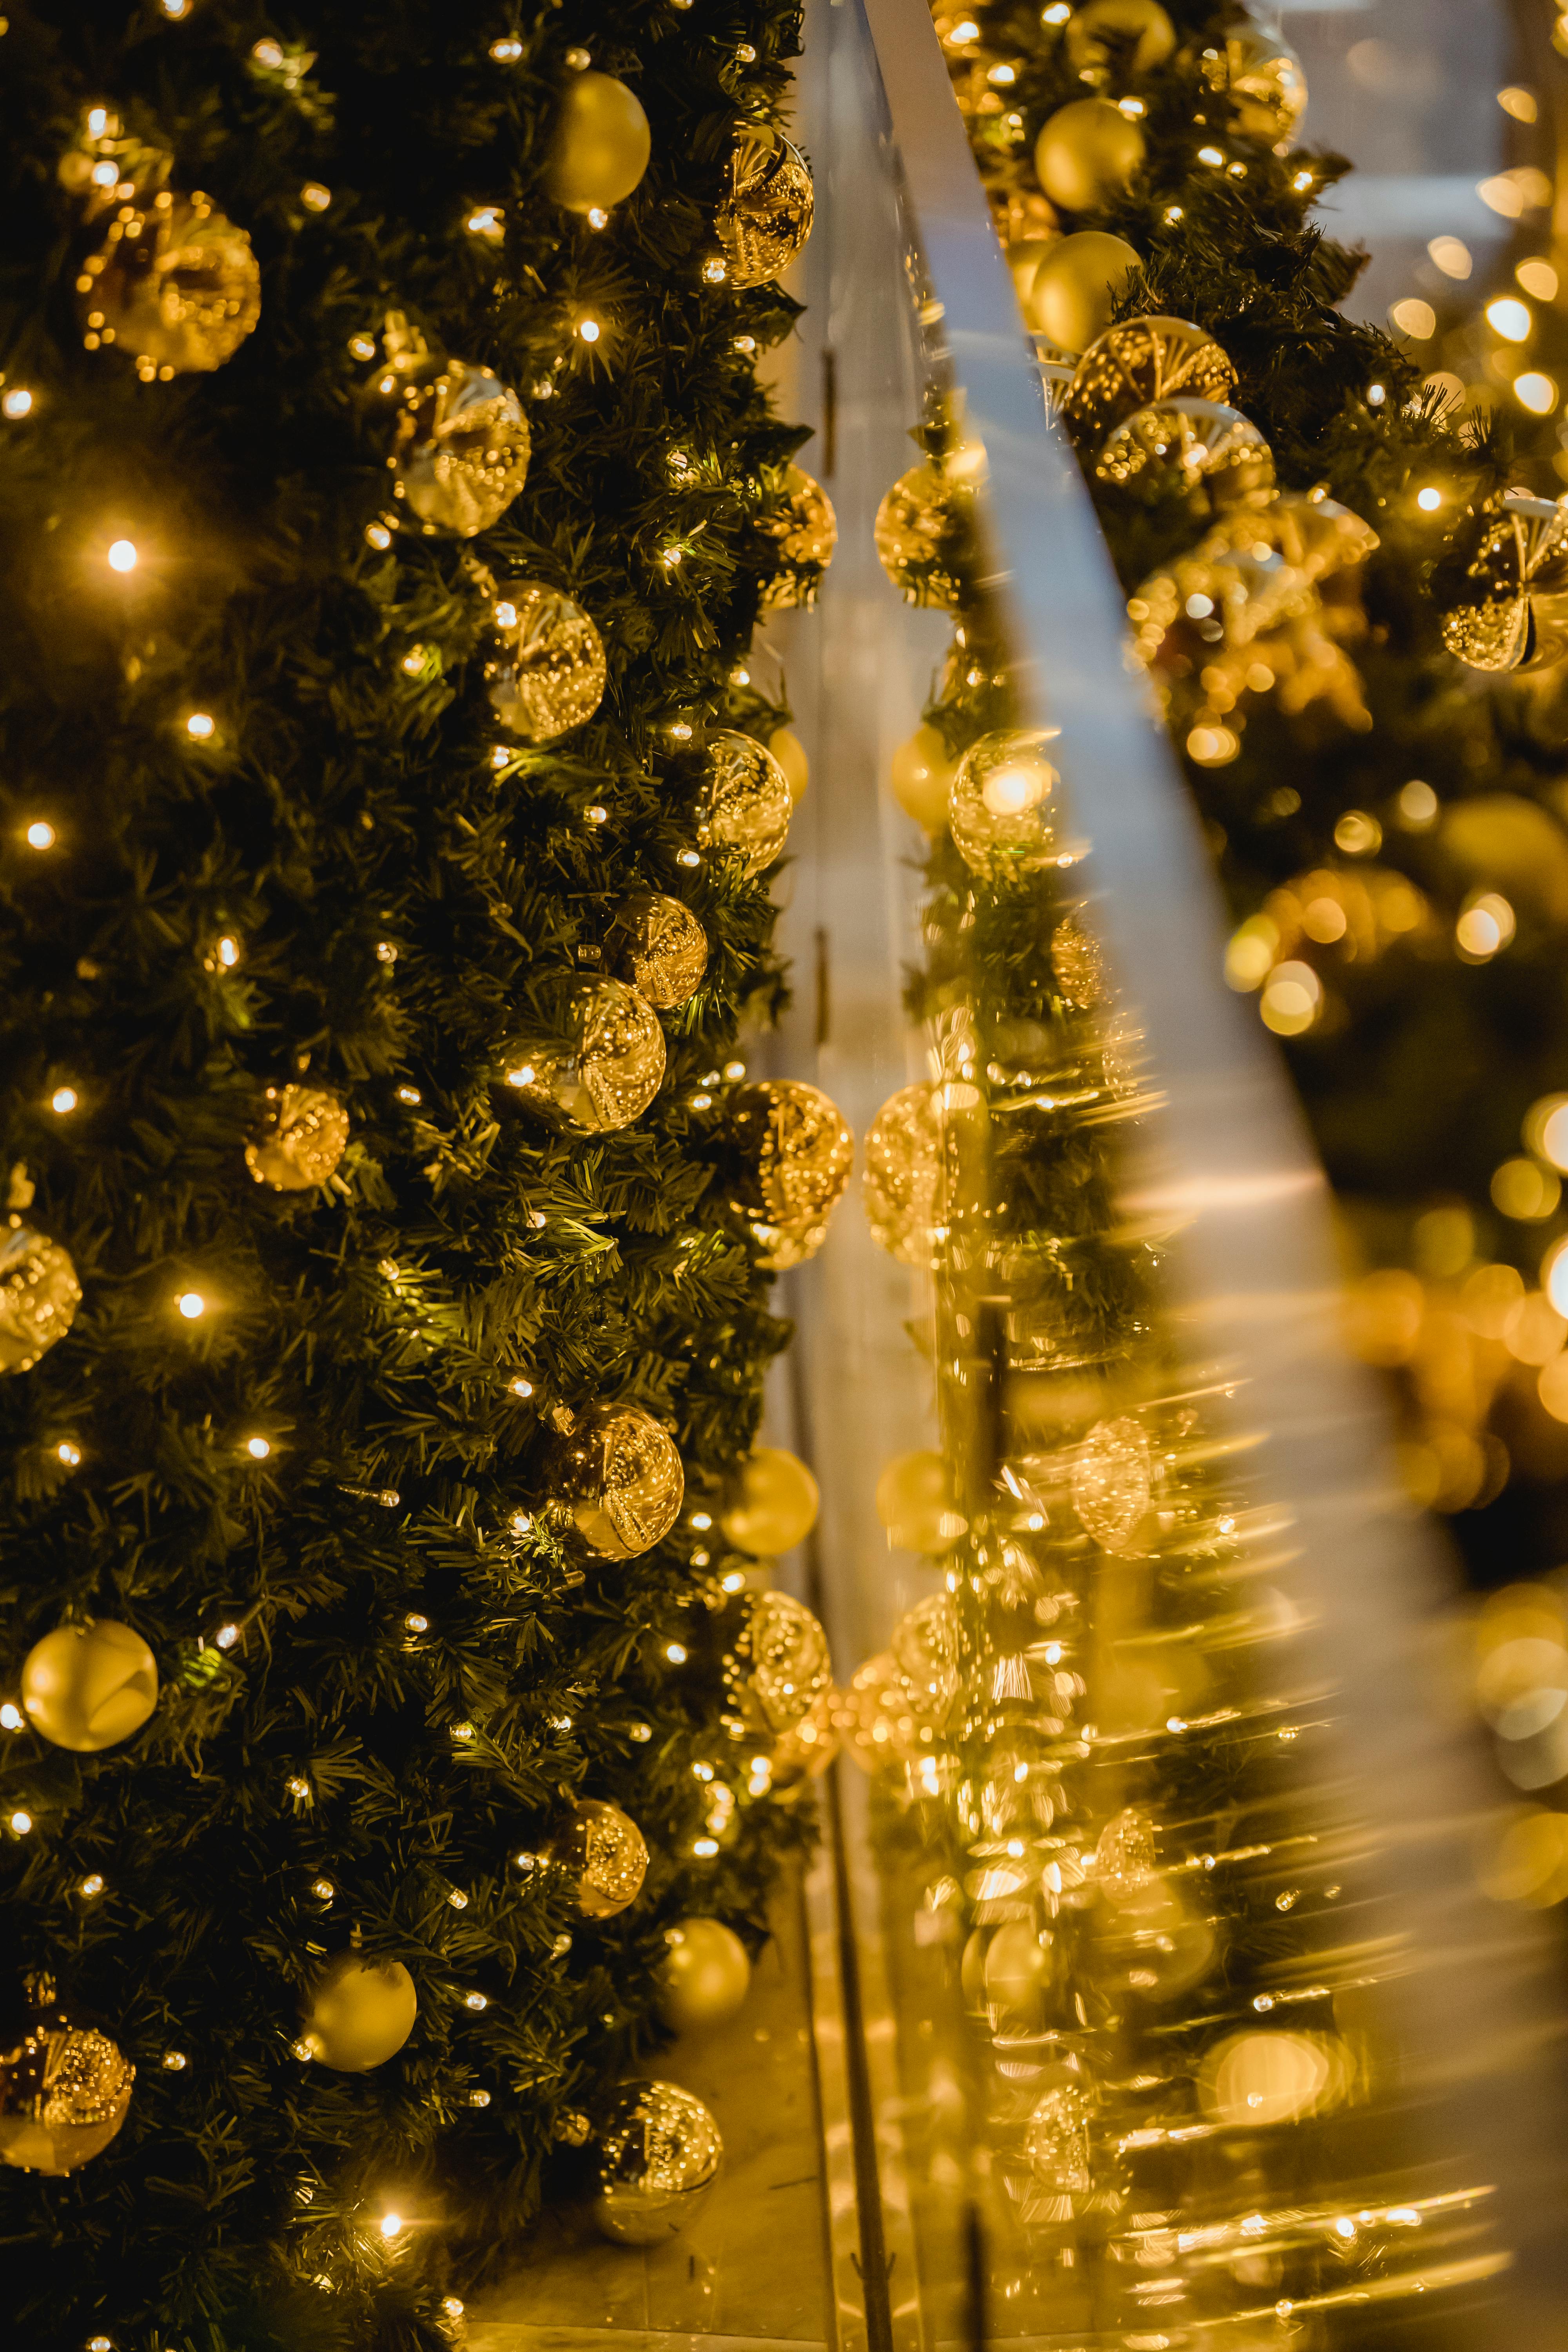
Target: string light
70,1454
226,1636
522,1076
322,1889
523,1389
21,1823
705,1846
17,402
11,1717
597,218
1509,318
314,197
258,1448
674,1651
488,222
459,1902
1429,499
378,535
228,952
201,726
687,858
391,2224
123,555
733,1582
1538,277
417,1624
506,52
589,330
92,1885
462,1731
595,814
176,2062
191,1304
475,2000
63,1099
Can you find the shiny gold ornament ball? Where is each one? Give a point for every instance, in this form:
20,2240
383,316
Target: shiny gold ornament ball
603,1854
706,1975
549,673
790,752
804,532
616,1479
1057,2146
1137,364
460,443
922,773
927,1647
1073,288
745,805
305,1134
173,285
90,1686
923,1170
777,1504
65,2088
766,216
659,2151
600,147
877,1720
657,947
924,534
1002,809
1266,84
603,1067
1201,444
1119,38
915,1503
792,1152
1087,155
1504,599
1124,1854
40,1295
1113,1480
807,1747
780,1666
360,2013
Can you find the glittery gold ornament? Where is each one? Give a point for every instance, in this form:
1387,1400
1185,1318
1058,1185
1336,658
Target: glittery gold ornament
1112,1481
1057,2146
602,1853
1088,155
1003,809
744,806
657,947
776,1506
1205,447
705,1976
90,1686
173,285
791,1153
359,2014
925,533
922,773
1504,595
804,531
780,1664
549,673
40,1295
1266,84
1119,38
1078,965
807,1747
1322,540
766,216
923,1176
877,1718
603,1065
460,443
600,147
927,1647
1124,1854
790,752
1069,293
916,1505
615,1480
1137,363
660,2152
65,2087
305,1135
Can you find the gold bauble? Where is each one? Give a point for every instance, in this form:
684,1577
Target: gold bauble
1056,2147
808,1747
1015,1972
1111,1482
804,531
1079,966
173,285
1119,37
1266,84
549,673
790,752
1137,364
657,947
766,217
1073,286
1002,809
305,1135
776,1506
921,775
705,1976
923,1169
746,805
601,1069
90,1686
1087,155
1124,1854
1504,600
792,1153
659,2151
877,1718
460,444
1200,443
924,534
780,1666
916,1505
1322,540
615,1478
600,147
40,1295
360,2014
927,1649
65,2088
603,1854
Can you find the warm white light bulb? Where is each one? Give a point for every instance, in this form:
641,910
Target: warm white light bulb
17,402
202,726
123,555
191,1304
40,835
258,1448
64,1098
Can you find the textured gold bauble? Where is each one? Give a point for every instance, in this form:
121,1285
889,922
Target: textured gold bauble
600,146
65,2088
40,1295
1079,966
745,805
549,673
1317,537
1137,364
922,777
1073,288
658,2155
90,1686
915,1503
1118,39
876,1719
766,216
460,443
658,946
304,1137
924,534
705,1976
1004,807
603,1854
1200,445
615,1478
1111,1482
1267,86
1056,2145
1505,603
792,1152
804,532
923,1169
808,1747
780,1664
1088,155
173,285
926,1646
790,752
360,2013
1124,1854
603,1067
775,1506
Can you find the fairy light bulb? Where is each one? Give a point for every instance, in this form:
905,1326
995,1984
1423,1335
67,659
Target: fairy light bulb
391,2225
258,1448
63,1099
201,726
123,555
16,403
11,1717
40,835
589,330
69,1454
191,1304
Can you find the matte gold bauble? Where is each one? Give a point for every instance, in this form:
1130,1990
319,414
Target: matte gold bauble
603,1854
1267,86
1199,446
921,776
40,1295
460,444
1137,364
804,532
600,147
923,1170
1087,155
1504,597
305,1135
360,2014
705,1977
916,1505
792,1153
777,1504
766,217
65,2087
660,2152
780,1666
549,673
790,752
173,285
90,1686
1004,807
1074,286
601,1067
615,1478
657,947
744,806
1118,39
924,534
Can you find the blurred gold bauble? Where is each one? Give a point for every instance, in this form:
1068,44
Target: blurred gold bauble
1073,288
1504,596
1137,363
1088,155
360,2014
1120,37
305,1135
776,1506
926,1648
65,2088
915,1503
808,1747
1057,2146
877,1718
657,947
603,1067
790,752
1010,1971
1079,966
603,1854
40,1295
924,531
746,805
460,444
90,1686
1199,444
616,1477
660,2152
804,531
1003,808
1266,85
922,773
1124,1854
173,285
766,216
780,1666
549,673
705,1977
1112,1479
1155,1943
923,1169
600,147
792,1153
